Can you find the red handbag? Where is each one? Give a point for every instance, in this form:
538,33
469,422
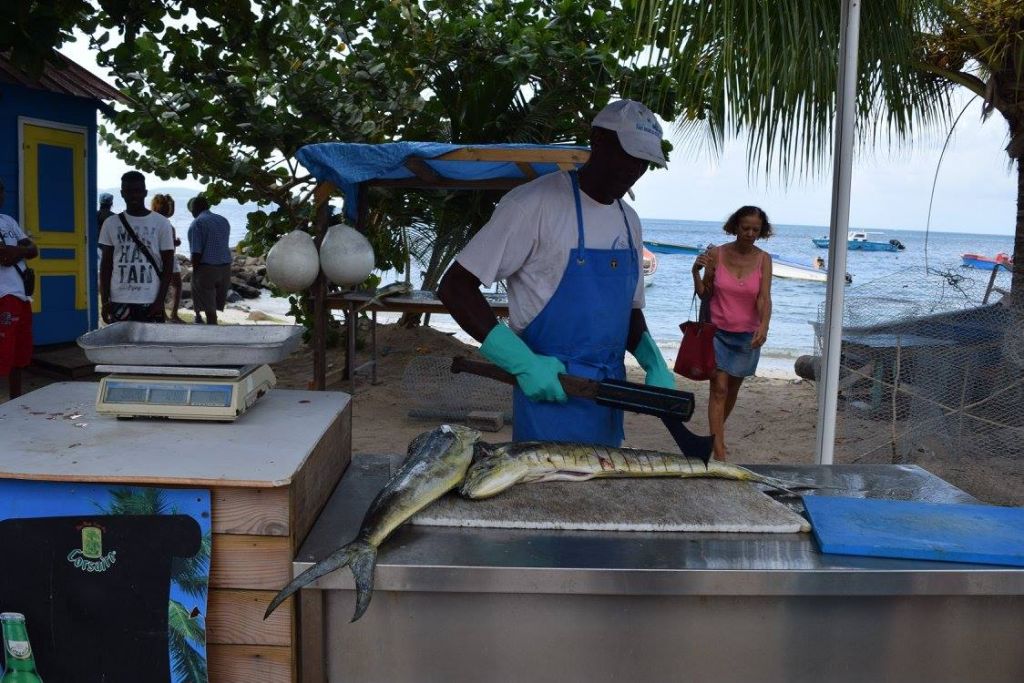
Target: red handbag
696,357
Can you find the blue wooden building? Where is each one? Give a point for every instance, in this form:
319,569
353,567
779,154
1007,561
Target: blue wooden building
48,166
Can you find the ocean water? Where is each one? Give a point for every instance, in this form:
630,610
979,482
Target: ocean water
796,303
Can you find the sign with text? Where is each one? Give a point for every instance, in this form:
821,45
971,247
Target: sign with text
111,580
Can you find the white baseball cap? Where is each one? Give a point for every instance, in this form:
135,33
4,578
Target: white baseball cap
637,127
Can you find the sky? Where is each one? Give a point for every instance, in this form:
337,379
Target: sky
975,192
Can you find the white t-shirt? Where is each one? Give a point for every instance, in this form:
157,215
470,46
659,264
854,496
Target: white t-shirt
134,281
10,279
530,235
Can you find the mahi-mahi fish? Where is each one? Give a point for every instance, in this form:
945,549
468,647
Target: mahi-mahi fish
499,467
436,463
394,289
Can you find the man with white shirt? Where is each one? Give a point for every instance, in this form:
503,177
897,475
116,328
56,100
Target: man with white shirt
570,252
137,258
15,303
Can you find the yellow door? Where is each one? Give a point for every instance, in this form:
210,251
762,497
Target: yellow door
54,215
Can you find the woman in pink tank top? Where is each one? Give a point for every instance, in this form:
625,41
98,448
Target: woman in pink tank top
737,283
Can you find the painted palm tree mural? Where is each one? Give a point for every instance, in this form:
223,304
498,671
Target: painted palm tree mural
186,636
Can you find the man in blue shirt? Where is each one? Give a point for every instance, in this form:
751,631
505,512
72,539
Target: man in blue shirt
211,259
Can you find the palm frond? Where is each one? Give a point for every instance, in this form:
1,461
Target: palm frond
769,69
188,664
191,574
126,500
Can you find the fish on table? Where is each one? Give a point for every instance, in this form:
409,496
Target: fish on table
498,467
452,456
435,464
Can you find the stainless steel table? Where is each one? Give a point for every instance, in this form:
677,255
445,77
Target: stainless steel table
528,605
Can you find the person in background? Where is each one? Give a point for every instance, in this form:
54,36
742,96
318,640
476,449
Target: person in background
163,204
138,248
819,263
738,280
105,212
211,259
197,313
15,305
570,251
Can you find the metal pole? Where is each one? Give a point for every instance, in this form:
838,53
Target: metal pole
839,224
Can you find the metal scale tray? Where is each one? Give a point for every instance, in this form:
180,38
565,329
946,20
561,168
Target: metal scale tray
133,343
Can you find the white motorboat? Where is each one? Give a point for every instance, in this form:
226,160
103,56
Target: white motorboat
650,267
792,270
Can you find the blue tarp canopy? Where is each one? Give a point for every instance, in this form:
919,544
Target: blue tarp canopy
432,165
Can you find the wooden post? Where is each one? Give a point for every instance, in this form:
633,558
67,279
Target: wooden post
319,290
351,317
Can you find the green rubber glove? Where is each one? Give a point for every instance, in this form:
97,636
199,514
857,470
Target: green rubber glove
536,375
651,360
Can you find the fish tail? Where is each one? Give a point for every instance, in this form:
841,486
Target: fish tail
364,559
789,487
350,554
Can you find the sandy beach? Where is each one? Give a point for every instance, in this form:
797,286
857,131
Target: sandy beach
774,420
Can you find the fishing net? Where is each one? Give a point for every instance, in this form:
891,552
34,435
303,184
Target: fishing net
435,393
932,366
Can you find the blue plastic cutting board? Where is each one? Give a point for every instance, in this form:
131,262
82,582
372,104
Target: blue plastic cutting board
922,531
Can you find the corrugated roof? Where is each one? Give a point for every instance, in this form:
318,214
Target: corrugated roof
61,76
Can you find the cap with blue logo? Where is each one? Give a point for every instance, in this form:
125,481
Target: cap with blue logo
637,128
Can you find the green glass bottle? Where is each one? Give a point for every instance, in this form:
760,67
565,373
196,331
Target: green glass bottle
18,660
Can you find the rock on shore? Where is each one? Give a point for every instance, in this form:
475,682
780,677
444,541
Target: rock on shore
248,277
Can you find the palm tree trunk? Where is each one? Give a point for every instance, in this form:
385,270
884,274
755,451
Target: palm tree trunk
1017,284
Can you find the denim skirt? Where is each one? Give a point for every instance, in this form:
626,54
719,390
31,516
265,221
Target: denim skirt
734,355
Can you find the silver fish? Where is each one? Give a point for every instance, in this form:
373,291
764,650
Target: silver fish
436,463
497,468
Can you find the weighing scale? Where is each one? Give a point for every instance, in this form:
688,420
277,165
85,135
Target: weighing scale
220,393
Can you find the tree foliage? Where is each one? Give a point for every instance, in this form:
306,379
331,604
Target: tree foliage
32,30
229,90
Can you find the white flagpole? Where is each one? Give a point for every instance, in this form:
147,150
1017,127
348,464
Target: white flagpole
839,224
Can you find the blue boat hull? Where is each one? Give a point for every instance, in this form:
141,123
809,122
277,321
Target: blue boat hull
980,265
857,245
665,248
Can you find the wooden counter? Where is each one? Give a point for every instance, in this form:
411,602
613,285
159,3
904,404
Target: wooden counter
269,474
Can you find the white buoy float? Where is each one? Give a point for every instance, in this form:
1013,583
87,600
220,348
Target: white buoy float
346,256
292,263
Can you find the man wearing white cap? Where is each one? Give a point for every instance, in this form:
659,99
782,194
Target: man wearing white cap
570,251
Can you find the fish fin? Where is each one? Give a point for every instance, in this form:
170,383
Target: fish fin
482,449
339,558
364,559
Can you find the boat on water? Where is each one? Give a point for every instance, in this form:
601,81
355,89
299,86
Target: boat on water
792,270
650,267
986,262
667,248
858,240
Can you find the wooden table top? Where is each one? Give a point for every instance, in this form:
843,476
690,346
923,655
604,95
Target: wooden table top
55,434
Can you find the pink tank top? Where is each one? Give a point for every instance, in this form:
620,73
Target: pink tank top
734,301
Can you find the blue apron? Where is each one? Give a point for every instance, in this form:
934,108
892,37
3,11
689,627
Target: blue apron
585,325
